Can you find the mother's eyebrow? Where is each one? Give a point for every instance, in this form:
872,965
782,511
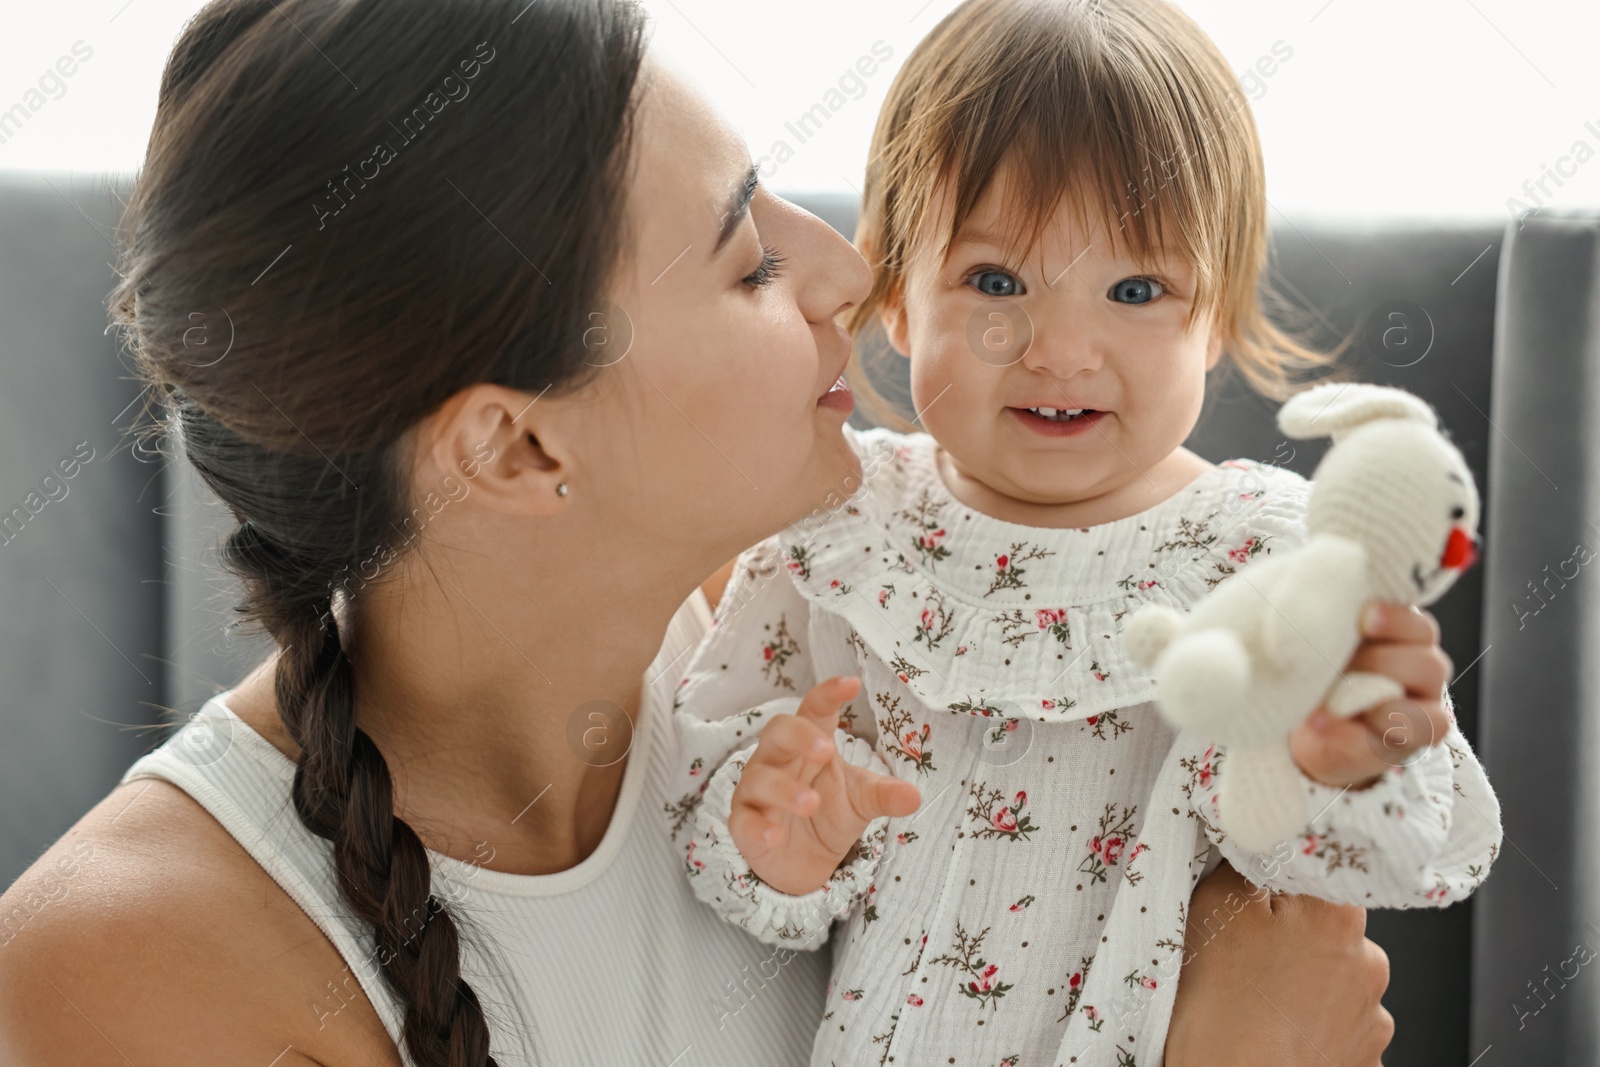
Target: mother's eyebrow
738,205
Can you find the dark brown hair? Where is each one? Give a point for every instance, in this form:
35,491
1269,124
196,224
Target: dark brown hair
377,203
1125,103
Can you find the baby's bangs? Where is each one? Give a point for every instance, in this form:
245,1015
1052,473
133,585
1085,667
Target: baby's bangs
1145,137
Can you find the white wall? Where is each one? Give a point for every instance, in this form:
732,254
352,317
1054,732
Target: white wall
1392,107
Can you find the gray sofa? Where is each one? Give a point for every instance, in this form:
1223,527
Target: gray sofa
119,621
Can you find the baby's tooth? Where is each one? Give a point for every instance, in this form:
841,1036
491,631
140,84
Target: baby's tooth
1048,413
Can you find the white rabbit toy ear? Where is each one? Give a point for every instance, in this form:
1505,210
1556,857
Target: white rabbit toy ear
1331,408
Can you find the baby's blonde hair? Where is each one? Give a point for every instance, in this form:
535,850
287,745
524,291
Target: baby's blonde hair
1125,101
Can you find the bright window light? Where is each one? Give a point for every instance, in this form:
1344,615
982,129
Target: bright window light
1426,108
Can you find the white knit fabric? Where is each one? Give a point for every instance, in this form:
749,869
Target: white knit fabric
1392,513
612,962
1033,910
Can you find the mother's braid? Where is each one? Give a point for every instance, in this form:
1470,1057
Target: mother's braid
379,310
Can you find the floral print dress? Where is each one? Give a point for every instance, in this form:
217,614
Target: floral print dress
1032,911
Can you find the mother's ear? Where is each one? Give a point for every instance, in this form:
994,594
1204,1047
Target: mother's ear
1330,408
488,436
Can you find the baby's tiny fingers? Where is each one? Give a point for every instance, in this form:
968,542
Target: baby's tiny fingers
874,795
788,738
752,831
775,791
820,706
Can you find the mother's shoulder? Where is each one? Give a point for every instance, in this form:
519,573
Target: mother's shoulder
147,934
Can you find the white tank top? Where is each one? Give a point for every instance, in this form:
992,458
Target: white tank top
612,962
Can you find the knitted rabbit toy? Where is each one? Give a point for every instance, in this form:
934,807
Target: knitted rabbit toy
1391,516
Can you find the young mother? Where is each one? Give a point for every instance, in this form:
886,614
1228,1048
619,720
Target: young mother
521,354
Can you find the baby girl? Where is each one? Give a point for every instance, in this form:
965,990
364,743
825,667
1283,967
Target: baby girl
1066,216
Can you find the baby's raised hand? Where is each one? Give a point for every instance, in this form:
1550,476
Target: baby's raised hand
1402,644
799,807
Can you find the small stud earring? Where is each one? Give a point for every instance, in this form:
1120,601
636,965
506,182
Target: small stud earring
561,490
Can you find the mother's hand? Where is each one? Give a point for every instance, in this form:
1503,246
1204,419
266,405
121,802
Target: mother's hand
1277,981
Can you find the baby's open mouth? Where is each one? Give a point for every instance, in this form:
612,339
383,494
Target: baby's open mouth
1060,414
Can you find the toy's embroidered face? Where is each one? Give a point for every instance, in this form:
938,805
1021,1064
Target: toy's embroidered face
1405,492
1460,552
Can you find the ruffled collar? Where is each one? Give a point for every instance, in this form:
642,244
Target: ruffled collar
979,614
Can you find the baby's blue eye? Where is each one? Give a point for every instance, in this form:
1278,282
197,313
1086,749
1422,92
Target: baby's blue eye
996,283
1136,290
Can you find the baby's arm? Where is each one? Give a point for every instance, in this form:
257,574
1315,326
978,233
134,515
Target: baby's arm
1423,835
804,804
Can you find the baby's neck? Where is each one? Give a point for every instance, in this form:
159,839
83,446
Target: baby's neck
1139,493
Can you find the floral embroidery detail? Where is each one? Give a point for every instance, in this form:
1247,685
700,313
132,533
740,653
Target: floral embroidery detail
1106,847
901,734
885,1038
927,543
1106,720
1335,852
1134,978
1099,674
840,587
1129,583
1075,986
935,623
800,560
905,670
1007,573
1195,536
1246,550
690,863
1202,778
997,732
1095,1021
998,817
1058,703
1055,621
914,1000
684,809
973,707
983,983
852,994
855,641
1014,628
885,595
869,910
1022,905
776,652
905,837
697,765
917,960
